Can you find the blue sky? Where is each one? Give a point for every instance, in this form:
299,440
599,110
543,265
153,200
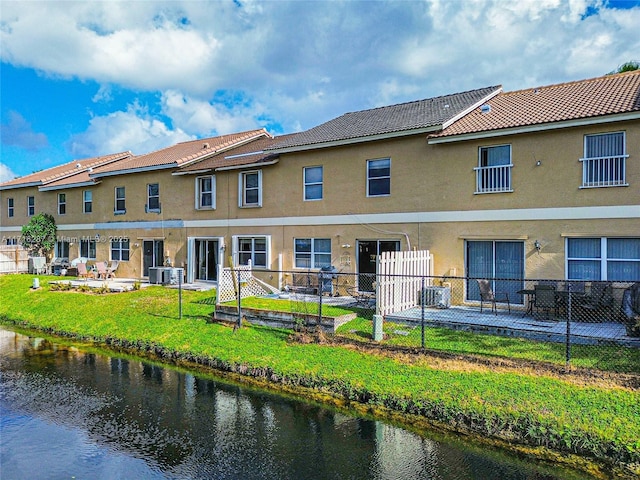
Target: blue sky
82,79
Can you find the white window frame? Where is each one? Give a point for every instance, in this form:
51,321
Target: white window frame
613,166
116,199
10,207
87,244
312,254
117,245
31,206
148,208
603,258
62,204
87,202
307,185
242,189
493,178
236,239
59,249
371,178
200,192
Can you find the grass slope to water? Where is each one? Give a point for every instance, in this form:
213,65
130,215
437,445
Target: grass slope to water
598,421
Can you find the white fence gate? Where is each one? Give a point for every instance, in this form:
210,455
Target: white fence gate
250,286
399,279
13,259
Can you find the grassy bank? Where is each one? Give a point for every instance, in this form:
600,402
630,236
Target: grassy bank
590,419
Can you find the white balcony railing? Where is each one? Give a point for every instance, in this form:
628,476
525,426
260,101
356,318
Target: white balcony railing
493,179
604,171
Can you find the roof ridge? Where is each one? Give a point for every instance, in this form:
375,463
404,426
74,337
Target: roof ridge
572,82
78,167
245,133
491,87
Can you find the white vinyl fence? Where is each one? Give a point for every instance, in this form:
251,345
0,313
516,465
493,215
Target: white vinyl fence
399,276
13,259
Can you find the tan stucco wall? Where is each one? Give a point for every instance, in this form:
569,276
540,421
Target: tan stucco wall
424,178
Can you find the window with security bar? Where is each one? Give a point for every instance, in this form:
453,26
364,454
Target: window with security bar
493,173
604,162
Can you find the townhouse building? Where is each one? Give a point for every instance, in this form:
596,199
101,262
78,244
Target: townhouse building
537,183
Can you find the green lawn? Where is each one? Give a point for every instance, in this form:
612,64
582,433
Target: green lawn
606,358
600,421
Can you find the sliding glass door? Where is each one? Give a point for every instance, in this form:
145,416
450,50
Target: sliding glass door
500,261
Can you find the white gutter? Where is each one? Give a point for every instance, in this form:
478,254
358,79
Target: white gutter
68,185
193,172
133,170
247,165
21,185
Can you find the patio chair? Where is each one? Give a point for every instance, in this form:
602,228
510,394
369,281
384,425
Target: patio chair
83,272
103,273
573,288
488,295
111,270
39,265
599,299
545,298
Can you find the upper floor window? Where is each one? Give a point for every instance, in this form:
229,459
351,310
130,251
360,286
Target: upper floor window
312,252
31,206
153,197
88,249
252,249
62,203
493,173
205,192
250,189
378,177
604,162
87,201
119,208
10,210
611,259
120,249
313,178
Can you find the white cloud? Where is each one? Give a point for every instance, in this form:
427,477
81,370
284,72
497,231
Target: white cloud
120,131
303,62
6,173
205,119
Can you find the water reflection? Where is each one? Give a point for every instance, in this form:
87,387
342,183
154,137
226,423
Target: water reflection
67,412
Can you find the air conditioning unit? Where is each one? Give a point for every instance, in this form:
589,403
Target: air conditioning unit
439,297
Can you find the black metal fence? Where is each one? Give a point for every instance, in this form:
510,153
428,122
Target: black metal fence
578,323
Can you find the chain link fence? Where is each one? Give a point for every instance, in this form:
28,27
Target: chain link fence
578,324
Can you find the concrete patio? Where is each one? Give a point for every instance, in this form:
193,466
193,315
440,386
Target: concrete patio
514,324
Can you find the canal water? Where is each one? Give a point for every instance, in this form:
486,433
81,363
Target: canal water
67,413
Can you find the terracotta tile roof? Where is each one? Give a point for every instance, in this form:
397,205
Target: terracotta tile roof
431,113
248,154
596,97
180,154
68,172
81,178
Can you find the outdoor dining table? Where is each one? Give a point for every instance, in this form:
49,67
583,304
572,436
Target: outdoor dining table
531,300
560,295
